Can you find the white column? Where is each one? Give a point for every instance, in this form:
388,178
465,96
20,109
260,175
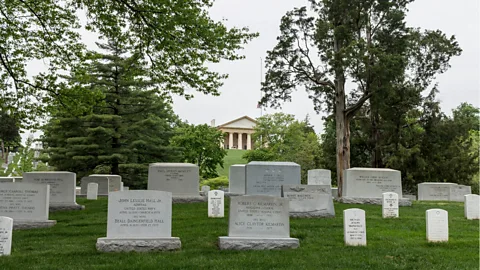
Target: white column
240,142
249,141
230,140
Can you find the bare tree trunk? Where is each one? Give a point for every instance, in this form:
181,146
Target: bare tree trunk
3,149
342,132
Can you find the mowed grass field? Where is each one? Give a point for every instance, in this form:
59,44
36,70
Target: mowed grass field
234,156
392,243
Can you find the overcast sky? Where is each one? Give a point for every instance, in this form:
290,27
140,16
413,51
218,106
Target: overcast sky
241,91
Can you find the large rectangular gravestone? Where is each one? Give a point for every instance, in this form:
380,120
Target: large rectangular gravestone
458,192
371,182
319,177
216,203
92,191
389,205
267,178
181,179
6,227
236,179
102,181
437,225
115,181
309,200
139,220
354,227
62,188
26,203
472,206
434,191
258,222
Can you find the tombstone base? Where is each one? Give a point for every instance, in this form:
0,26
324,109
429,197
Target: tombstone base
312,214
65,207
188,199
230,194
105,244
32,224
244,243
352,200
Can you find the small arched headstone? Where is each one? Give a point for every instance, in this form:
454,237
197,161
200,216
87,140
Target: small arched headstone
92,191
472,206
354,227
389,204
6,226
437,225
216,203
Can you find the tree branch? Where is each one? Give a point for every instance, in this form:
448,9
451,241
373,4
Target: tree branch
349,112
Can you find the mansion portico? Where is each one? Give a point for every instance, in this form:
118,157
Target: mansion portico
238,133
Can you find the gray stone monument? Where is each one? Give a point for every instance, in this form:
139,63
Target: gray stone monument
181,179
6,227
258,222
27,204
236,179
309,201
390,205
366,186
319,177
92,191
139,220
441,191
267,178
216,204
458,192
115,181
472,206
62,188
102,181
437,225
354,227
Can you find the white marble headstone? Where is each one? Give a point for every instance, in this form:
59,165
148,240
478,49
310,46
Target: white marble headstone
309,200
181,179
216,203
371,182
236,179
267,178
259,216
389,204
139,214
24,201
6,226
434,191
458,192
102,181
115,181
472,206
92,191
354,227
62,185
319,177
437,225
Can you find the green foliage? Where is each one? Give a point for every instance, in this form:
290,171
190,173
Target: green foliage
392,243
279,137
178,38
201,146
215,183
125,131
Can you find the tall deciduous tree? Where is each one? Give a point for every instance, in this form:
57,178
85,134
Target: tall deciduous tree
177,37
365,42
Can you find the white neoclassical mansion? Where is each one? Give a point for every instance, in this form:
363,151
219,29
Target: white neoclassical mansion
238,133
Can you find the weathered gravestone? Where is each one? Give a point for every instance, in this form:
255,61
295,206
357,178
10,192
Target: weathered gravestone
205,190
92,191
472,206
434,191
366,185
6,227
354,227
267,178
309,201
236,179
258,222
114,183
103,184
27,204
181,179
335,192
139,220
389,204
62,188
7,180
437,225
319,177
458,192
216,203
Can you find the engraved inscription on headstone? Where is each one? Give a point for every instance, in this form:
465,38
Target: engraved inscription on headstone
267,178
7,180
182,179
472,206
371,183
389,204
433,191
319,177
457,192
62,185
24,201
354,227
216,203
139,214
309,200
437,225
6,227
92,191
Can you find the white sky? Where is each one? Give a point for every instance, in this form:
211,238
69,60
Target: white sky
241,91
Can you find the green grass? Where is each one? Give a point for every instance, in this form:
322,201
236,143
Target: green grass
392,243
233,156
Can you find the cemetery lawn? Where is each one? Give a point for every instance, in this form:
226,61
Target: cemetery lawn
392,243
234,156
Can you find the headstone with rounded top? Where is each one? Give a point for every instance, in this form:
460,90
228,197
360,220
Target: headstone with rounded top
389,205
216,204
472,206
354,227
437,225
6,227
